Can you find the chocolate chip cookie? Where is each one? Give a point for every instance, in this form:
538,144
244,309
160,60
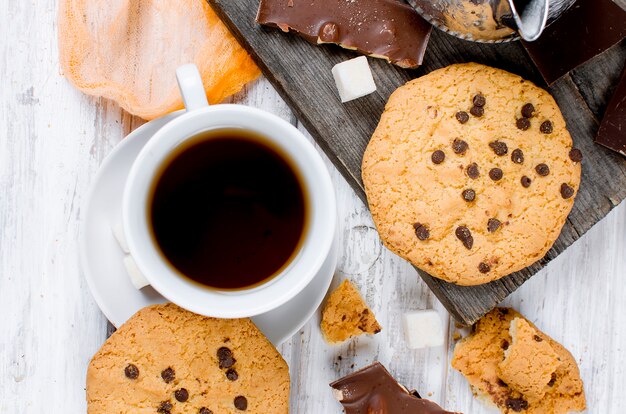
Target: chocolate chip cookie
508,361
166,360
471,174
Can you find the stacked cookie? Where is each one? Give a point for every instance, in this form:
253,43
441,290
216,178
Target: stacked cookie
471,173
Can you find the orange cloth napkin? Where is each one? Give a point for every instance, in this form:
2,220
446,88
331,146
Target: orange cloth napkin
128,51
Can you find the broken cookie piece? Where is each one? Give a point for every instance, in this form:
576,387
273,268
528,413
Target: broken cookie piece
386,29
530,361
346,315
373,390
479,356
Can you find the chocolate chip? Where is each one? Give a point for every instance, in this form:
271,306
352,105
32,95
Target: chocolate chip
465,235
469,195
131,371
525,181
421,231
523,124
495,174
504,344
517,156
438,157
416,394
516,404
462,117
566,191
225,357
493,224
165,407
575,155
232,375
472,171
241,403
168,375
527,110
204,410
537,338
502,383
552,380
479,100
477,111
499,147
484,267
459,146
546,127
181,395
542,169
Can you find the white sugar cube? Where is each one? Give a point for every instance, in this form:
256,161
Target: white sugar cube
118,233
136,277
423,329
353,78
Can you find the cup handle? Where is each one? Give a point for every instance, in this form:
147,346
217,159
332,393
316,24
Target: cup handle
191,87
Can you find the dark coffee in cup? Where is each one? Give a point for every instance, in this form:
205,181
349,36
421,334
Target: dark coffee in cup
228,210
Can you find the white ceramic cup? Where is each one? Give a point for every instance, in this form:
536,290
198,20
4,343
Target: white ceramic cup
321,206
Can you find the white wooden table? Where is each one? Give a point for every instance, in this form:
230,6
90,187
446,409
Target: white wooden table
52,140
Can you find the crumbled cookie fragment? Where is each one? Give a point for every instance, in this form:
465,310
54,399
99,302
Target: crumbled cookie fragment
346,315
505,363
529,362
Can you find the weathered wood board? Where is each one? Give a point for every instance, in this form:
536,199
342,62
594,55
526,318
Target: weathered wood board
301,73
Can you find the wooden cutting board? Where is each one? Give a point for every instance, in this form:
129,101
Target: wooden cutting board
301,72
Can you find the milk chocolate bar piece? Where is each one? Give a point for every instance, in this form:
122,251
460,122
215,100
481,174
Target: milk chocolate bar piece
612,132
373,390
585,30
387,29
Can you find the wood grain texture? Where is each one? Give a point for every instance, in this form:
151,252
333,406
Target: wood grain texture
301,72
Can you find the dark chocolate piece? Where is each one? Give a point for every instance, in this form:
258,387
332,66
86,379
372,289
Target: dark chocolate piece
496,174
469,195
204,410
165,407
465,235
525,181
462,117
168,375
493,225
517,156
612,132
528,110
546,127
459,146
373,390
472,171
181,395
421,231
384,28
241,403
585,30
477,111
523,124
131,371
438,157
499,147
484,267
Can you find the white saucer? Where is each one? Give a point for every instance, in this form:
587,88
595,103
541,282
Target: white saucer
101,257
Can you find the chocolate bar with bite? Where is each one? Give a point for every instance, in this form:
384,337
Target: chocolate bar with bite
612,132
386,29
373,390
584,31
